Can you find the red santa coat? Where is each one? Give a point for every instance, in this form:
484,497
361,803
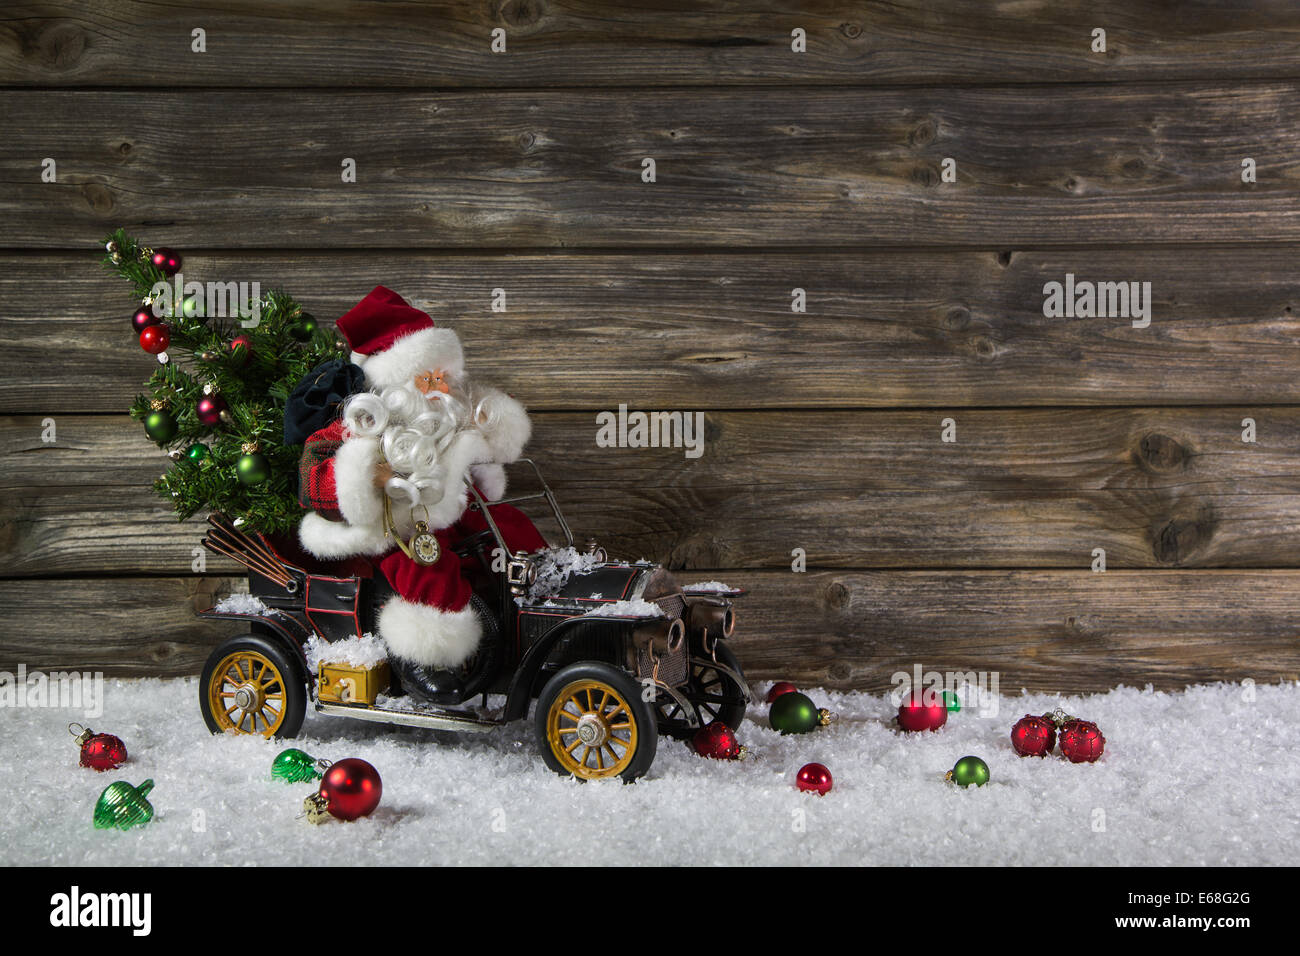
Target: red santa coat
442,585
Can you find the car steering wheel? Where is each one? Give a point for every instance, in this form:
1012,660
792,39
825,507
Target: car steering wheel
467,546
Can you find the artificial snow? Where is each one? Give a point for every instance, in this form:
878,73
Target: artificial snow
1207,776
633,608
241,603
554,568
708,587
365,651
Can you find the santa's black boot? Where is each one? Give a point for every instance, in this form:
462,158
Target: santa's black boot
429,684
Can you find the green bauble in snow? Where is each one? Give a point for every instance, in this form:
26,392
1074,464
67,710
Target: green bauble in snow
123,806
295,766
160,425
969,770
951,701
253,468
795,713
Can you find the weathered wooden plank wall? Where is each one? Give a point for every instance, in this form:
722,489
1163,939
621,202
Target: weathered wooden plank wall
775,170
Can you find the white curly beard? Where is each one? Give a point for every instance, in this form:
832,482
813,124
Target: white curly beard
415,431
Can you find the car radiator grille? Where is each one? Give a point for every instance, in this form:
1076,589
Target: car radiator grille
674,665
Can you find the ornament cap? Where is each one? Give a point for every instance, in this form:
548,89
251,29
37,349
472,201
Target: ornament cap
79,733
824,717
316,808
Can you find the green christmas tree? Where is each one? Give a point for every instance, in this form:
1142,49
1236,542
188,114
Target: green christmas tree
216,401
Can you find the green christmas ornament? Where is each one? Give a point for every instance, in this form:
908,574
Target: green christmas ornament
160,425
968,770
123,806
294,766
197,452
795,713
304,328
253,468
951,701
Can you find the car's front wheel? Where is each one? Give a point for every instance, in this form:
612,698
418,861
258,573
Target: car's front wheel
593,724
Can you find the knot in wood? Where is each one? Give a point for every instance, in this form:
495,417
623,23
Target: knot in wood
1161,453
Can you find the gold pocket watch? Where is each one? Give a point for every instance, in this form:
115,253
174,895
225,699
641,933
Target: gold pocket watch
422,547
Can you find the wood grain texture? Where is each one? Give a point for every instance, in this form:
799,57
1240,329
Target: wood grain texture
716,331
1088,164
1029,488
1049,632
328,43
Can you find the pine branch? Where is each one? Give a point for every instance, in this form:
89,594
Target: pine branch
254,380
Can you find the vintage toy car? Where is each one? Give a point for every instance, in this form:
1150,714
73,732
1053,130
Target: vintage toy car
614,652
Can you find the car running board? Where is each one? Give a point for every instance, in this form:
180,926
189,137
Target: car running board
434,720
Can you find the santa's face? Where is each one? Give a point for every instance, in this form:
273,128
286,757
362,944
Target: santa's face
432,382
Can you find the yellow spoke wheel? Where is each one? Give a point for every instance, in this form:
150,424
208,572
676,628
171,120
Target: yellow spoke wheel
249,687
593,725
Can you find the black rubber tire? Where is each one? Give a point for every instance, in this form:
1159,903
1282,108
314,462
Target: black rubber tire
707,682
288,675
641,714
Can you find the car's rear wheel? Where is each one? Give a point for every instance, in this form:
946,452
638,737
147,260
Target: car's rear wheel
713,694
593,724
251,686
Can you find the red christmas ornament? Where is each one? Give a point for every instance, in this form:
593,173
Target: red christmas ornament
241,347
718,741
155,339
814,778
1081,741
351,789
779,688
209,409
1033,736
166,260
143,318
98,751
915,714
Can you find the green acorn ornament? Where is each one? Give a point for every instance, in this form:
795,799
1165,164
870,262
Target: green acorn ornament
252,467
294,766
967,771
160,424
123,806
795,713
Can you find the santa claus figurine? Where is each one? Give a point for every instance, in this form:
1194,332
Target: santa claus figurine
388,481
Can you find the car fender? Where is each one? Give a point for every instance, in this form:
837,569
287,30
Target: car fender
519,694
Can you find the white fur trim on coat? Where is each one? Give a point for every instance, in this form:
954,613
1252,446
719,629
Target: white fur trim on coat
361,532
427,636
335,540
427,349
491,481
360,502
510,428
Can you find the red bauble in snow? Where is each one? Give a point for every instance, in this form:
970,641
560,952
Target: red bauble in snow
718,741
814,778
98,751
351,789
166,260
209,409
922,711
1033,736
155,339
1081,741
779,688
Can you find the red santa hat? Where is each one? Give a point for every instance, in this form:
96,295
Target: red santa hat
393,341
